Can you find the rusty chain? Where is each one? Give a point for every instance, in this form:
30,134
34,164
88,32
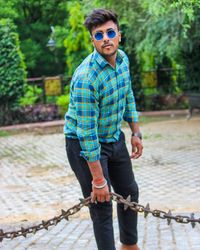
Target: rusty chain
45,224
85,202
156,212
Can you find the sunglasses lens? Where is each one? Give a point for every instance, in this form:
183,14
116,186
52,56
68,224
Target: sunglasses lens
98,36
111,33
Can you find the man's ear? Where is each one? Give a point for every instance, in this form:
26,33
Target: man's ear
92,40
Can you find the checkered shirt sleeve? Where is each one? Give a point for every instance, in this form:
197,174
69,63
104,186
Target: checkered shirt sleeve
87,112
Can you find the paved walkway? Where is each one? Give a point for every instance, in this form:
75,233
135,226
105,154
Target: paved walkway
36,182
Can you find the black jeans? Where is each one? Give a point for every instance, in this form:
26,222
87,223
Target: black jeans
117,169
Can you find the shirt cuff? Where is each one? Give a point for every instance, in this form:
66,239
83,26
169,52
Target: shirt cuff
91,156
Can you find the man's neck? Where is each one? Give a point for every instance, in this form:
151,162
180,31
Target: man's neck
111,59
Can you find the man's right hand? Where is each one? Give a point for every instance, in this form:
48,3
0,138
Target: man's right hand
100,195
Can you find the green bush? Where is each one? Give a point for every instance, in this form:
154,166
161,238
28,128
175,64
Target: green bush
77,42
31,96
12,69
63,103
67,89
51,99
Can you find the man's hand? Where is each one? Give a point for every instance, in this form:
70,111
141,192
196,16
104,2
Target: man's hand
100,195
137,147
98,179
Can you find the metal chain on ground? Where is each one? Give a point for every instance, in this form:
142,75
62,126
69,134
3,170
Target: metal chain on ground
85,202
45,224
155,212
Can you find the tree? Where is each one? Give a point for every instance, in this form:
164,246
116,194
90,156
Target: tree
33,20
77,43
160,31
7,10
172,31
12,68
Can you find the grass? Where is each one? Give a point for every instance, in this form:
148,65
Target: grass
154,136
4,133
149,119
6,153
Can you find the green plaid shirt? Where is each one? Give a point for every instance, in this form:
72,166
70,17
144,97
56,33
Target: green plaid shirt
100,98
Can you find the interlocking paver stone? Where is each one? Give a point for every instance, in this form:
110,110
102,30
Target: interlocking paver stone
36,182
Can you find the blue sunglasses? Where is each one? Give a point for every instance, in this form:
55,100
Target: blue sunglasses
110,34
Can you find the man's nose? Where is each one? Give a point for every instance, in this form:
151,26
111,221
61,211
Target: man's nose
105,37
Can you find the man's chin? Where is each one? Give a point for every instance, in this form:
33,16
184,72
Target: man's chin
109,53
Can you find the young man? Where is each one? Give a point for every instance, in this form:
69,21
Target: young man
100,98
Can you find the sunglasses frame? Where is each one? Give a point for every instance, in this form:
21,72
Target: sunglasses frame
107,32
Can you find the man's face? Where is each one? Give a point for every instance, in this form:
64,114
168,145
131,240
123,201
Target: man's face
106,46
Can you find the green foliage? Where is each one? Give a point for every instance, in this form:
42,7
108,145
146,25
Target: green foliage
67,89
77,43
63,101
87,5
7,10
152,31
4,133
32,50
51,99
172,32
33,20
12,67
31,96
156,30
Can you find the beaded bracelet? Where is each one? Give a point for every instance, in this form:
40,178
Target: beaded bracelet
100,186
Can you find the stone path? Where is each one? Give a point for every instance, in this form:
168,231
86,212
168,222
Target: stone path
36,182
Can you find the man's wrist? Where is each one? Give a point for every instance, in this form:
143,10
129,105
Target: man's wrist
99,185
99,180
137,134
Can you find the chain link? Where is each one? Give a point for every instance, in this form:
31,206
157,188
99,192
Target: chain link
85,202
156,213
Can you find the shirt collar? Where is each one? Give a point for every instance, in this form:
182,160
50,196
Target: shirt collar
103,62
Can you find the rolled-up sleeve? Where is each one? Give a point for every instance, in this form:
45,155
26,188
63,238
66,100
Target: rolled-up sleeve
87,112
130,114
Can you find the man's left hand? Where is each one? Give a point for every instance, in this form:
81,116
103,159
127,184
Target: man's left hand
137,147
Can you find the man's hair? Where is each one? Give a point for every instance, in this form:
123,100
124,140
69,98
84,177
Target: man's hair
99,17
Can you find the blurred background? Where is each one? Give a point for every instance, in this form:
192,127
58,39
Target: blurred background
42,42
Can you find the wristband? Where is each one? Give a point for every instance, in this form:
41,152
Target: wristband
137,134
100,186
